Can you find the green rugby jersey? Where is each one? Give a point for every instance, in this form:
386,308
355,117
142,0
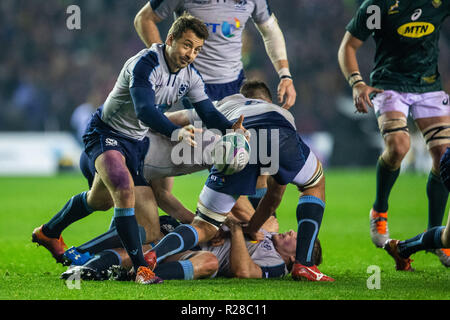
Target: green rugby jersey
407,42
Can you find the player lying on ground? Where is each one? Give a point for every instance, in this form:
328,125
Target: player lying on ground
231,255
295,163
432,239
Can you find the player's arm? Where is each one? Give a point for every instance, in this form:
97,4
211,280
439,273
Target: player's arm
276,50
349,66
241,264
180,117
143,97
145,25
269,204
169,203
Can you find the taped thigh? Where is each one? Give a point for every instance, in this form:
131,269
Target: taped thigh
437,134
310,175
392,126
213,207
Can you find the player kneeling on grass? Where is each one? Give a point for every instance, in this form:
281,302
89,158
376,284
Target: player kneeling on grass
230,255
432,239
296,164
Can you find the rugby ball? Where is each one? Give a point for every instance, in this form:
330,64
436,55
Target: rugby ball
231,153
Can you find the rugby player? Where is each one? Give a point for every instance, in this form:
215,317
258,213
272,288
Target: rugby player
220,60
296,164
234,256
115,141
405,81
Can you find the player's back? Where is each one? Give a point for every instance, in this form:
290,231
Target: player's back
257,113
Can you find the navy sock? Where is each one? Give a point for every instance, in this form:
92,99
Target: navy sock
128,231
309,216
430,239
75,209
103,260
183,238
385,181
175,270
108,240
437,200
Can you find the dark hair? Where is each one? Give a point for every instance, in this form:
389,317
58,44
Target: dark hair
316,255
255,89
187,22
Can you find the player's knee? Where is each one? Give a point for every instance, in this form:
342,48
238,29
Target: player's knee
397,146
437,154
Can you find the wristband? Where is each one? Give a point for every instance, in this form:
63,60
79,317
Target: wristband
284,73
354,78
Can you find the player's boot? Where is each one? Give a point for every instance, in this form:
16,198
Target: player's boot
150,257
84,273
119,273
379,231
444,256
74,257
401,264
304,273
146,276
54,245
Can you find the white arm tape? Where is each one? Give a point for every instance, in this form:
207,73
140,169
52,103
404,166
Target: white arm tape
273,39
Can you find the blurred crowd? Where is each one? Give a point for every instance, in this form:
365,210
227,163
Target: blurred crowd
47,70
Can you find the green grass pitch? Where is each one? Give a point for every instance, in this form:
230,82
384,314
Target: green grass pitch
29,273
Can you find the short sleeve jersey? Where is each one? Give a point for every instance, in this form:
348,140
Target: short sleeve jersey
149,69
406,35
220,59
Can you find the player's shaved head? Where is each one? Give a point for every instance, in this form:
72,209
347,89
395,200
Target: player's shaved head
255,89
187,22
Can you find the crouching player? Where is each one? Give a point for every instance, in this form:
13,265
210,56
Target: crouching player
295,163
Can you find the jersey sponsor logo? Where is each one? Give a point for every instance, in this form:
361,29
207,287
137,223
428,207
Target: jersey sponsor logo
415,29
445,102
228,29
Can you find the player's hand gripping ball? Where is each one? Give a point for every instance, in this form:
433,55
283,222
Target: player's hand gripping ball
231,153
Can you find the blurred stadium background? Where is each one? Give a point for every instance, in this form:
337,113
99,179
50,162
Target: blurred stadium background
51,78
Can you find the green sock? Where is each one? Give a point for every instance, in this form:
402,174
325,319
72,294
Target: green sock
437,200
385,181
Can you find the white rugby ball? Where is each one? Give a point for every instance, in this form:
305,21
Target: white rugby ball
231,153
